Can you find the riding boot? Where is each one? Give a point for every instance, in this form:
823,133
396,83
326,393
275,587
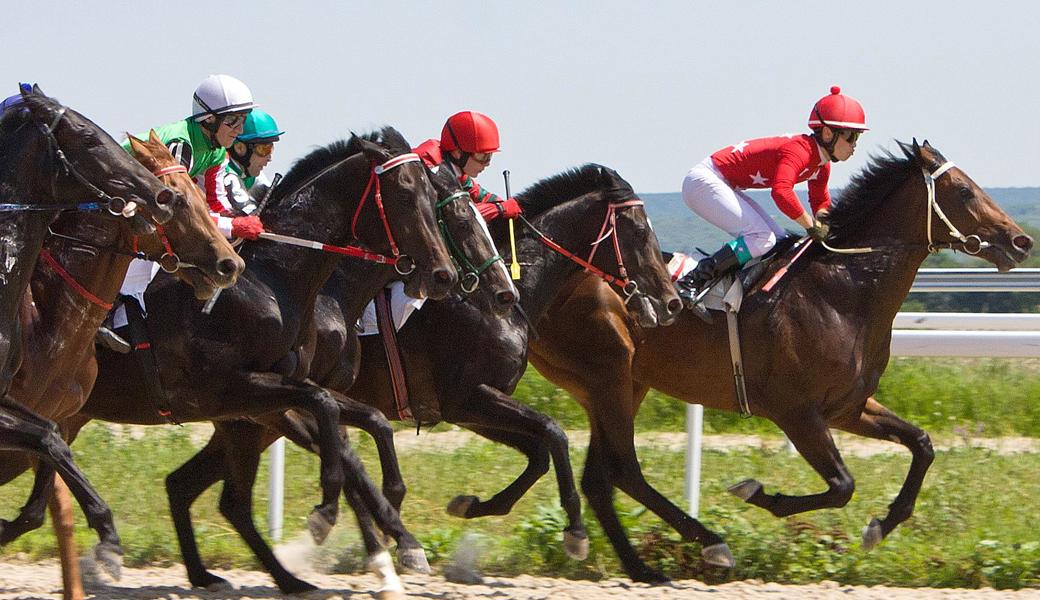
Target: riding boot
111,340
708,269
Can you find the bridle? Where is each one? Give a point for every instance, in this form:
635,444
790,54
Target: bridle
628,287
470,273
970,244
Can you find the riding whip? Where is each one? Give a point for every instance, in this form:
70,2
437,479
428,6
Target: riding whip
514,267
208,307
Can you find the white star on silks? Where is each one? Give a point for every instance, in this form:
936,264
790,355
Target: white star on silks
757,179
739,147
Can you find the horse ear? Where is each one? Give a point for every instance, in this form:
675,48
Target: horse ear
36,90
927,145
137,145
374,151
917,148
154,137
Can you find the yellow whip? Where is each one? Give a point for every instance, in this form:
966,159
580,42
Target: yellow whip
514,267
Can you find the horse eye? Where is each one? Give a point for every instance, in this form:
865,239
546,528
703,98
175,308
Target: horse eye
967,193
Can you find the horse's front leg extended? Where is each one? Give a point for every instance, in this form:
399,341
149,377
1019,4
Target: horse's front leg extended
256,393
878,422
498,417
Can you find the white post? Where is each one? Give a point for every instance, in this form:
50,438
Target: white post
276,489
694,432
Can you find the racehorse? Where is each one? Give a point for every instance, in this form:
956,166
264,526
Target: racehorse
463,363
238,360
344,296
72,289
51,159
814,347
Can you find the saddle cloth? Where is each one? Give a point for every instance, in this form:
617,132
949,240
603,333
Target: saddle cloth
401,305
138,275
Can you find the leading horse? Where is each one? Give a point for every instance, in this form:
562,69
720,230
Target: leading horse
814,347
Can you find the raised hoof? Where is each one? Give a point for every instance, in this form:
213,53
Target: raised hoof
413,560
110,558
576,545
459,505
718,555
745,489
319,527
872,534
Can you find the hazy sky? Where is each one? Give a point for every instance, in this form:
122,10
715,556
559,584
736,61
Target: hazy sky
648,88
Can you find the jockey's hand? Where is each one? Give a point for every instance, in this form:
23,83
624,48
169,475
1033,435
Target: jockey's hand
247,228
819,230
511,208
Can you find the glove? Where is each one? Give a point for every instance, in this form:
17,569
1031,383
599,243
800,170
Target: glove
819,230
511,208
247,228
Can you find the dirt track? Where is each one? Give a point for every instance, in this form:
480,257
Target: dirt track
40,581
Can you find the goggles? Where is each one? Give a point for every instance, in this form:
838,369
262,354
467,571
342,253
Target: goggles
263,148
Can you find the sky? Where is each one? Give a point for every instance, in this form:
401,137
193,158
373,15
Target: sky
647,88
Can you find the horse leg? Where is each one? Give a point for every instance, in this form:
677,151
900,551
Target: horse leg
242,459
877,421
373,422
64,525
183,487
812,439
497,416
258,393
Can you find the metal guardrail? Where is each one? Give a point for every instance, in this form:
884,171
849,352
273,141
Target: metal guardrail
976,280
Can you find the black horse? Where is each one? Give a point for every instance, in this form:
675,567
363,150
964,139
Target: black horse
53,159
233,452
461,363
242,359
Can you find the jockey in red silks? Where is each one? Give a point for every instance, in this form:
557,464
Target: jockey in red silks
467,143
713,188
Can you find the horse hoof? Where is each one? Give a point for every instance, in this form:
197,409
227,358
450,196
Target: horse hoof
576,545
872,534
319,527
648,575
745,489
218,585
390,595
110,558
413,560
459,505
718,555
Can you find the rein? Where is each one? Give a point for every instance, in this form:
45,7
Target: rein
628,287
75,285
402,263
470,279
970,244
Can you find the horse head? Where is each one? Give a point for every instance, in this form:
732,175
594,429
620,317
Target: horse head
190,239
403,213
470,244
963,216
92,163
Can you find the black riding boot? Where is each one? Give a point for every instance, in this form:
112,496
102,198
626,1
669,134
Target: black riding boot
707,270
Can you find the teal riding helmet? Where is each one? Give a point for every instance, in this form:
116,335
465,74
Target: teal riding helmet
259,127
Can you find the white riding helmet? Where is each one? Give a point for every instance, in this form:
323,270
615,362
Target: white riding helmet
220,94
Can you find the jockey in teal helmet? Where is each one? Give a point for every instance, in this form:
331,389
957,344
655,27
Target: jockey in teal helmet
251,152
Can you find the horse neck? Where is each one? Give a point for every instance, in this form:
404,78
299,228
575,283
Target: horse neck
545,271
21,238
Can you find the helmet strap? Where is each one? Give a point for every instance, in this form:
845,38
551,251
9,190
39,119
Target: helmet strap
242,159
461,161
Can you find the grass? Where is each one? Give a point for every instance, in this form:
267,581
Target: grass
973,525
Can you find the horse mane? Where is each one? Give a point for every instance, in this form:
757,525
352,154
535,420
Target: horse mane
876,181
570,184
340,150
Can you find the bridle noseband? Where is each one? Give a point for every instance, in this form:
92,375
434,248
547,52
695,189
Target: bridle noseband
470,279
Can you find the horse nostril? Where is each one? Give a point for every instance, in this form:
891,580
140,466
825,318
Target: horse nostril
1023,242
164,197
227,267
506,298
442,276
674,306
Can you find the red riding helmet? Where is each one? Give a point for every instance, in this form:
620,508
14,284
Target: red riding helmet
838,111
470,132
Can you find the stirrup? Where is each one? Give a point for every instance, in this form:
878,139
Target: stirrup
111,340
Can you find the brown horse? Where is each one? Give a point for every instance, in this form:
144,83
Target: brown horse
814,347
82,266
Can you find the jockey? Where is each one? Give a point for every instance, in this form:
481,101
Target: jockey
251,152
468,140
199,142
713,188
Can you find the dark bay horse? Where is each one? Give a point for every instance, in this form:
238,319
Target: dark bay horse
72,289
814,347
462,364
53,158
233,453
240,360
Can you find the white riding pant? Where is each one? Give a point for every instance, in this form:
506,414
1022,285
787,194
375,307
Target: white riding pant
708,194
